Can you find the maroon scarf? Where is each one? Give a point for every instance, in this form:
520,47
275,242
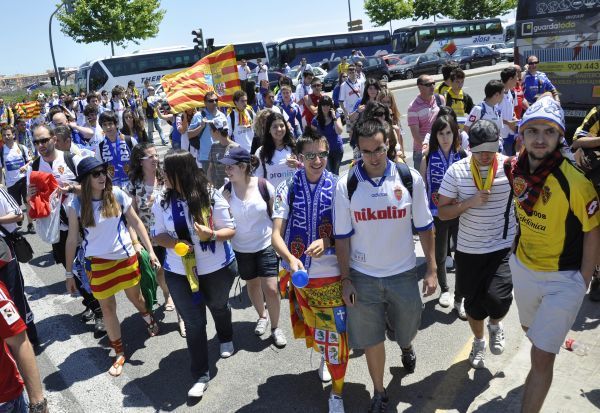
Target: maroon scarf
528,186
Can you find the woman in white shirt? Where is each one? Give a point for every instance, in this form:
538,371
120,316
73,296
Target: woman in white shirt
251,203
193,212
111,260
277,156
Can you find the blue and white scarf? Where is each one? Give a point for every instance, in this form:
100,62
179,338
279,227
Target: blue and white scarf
436,168
311,213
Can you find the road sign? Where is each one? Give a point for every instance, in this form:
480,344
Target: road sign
355,23
355,28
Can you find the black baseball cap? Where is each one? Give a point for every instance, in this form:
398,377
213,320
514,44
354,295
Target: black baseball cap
484,136
235,155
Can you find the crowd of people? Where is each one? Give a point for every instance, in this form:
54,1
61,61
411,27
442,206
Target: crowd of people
256,191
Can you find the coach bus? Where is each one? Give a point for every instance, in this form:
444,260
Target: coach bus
564,37
104,74
446,35
320,49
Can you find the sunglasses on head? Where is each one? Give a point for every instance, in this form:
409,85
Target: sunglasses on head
42,141
96,173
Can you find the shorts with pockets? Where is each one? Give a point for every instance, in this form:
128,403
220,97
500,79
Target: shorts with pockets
263,263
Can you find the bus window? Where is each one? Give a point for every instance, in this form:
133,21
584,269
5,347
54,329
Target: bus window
303,46
380,39
443,32
425,35
493,28
323,44
98,77
358,39
460,31
341,42
476,29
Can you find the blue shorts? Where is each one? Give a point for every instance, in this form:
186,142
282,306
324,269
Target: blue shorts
397,295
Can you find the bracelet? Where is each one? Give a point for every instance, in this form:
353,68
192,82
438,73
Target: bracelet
68,274
39,407
136,242
213,236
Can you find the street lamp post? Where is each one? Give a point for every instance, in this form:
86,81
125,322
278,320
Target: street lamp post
56,76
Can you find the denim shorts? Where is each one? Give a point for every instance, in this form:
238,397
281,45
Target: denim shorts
263,263
397,296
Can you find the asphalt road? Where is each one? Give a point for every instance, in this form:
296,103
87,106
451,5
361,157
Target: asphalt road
259,377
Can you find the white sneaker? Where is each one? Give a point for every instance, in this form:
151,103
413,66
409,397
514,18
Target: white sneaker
227,349
449,263
261,326
323,371
477,355
336,404
279,337
197,389
496,339
459,307
445,299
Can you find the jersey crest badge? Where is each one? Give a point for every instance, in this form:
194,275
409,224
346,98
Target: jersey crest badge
546,194
519,186
297,247
398,193
9,313
61,169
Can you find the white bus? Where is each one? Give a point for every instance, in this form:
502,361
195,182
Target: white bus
152,65
446,35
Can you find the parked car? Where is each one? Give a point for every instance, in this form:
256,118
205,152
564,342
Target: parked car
414,65
373,67
272,75
473,56
297,76
505,51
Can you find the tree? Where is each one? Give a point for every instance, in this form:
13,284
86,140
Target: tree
111,21
381,12
462,9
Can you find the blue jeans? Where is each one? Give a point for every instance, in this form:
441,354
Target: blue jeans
152,124
215,289
18,405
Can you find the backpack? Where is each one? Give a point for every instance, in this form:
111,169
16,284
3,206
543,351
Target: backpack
264,193
232,119
467,102
438,100
128,141
23,150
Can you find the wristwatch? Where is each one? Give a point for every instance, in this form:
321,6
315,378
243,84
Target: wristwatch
39,407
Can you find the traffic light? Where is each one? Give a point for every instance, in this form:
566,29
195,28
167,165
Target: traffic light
198,40
210,45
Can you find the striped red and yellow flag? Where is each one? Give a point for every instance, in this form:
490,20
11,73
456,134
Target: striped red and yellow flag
214,72
28,110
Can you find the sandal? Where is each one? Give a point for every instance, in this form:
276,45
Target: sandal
117,368
169,306
182,331
151,325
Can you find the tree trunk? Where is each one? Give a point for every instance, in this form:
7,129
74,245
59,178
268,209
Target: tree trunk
112,48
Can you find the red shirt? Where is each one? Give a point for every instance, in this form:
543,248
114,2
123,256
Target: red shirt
11,324
308,115
520,96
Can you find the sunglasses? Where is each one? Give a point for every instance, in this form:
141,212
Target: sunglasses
533,63
351,70
98,172
42,141
212,100
428,84
312,155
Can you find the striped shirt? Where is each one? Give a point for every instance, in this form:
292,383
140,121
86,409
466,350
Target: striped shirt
422,114
481,229
8,205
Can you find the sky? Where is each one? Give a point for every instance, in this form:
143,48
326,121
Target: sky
28,52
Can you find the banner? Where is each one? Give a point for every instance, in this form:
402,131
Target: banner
214,72
28,110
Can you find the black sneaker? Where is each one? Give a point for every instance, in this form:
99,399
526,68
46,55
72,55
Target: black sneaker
595,289
31,228
87,315
379,403
409,360
99,329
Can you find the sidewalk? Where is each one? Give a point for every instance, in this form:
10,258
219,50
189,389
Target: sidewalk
576,384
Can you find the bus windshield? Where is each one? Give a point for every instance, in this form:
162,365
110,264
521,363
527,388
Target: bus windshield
564,38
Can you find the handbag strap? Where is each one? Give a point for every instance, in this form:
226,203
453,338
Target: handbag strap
5,231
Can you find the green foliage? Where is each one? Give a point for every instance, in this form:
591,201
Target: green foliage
381,12
111,21
462,9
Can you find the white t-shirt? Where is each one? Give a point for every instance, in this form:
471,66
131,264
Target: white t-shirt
118,107
8,205
464,140
243,72
350,93
242,135
261,72
378,220
324,266
484,111
301,91
206,261
507,112
253,225
13,160
109,238
277,170
480,229
80,105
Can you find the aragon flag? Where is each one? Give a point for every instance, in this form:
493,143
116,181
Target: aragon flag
28,110
214,72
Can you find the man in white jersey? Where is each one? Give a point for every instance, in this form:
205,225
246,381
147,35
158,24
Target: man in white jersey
488,109
477,190
379,276
261,71
351,91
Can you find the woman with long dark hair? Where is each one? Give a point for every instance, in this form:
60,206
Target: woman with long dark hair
376,110
277,154
146,183
444,150
328,123
133,125
191,211
102,211
370,93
